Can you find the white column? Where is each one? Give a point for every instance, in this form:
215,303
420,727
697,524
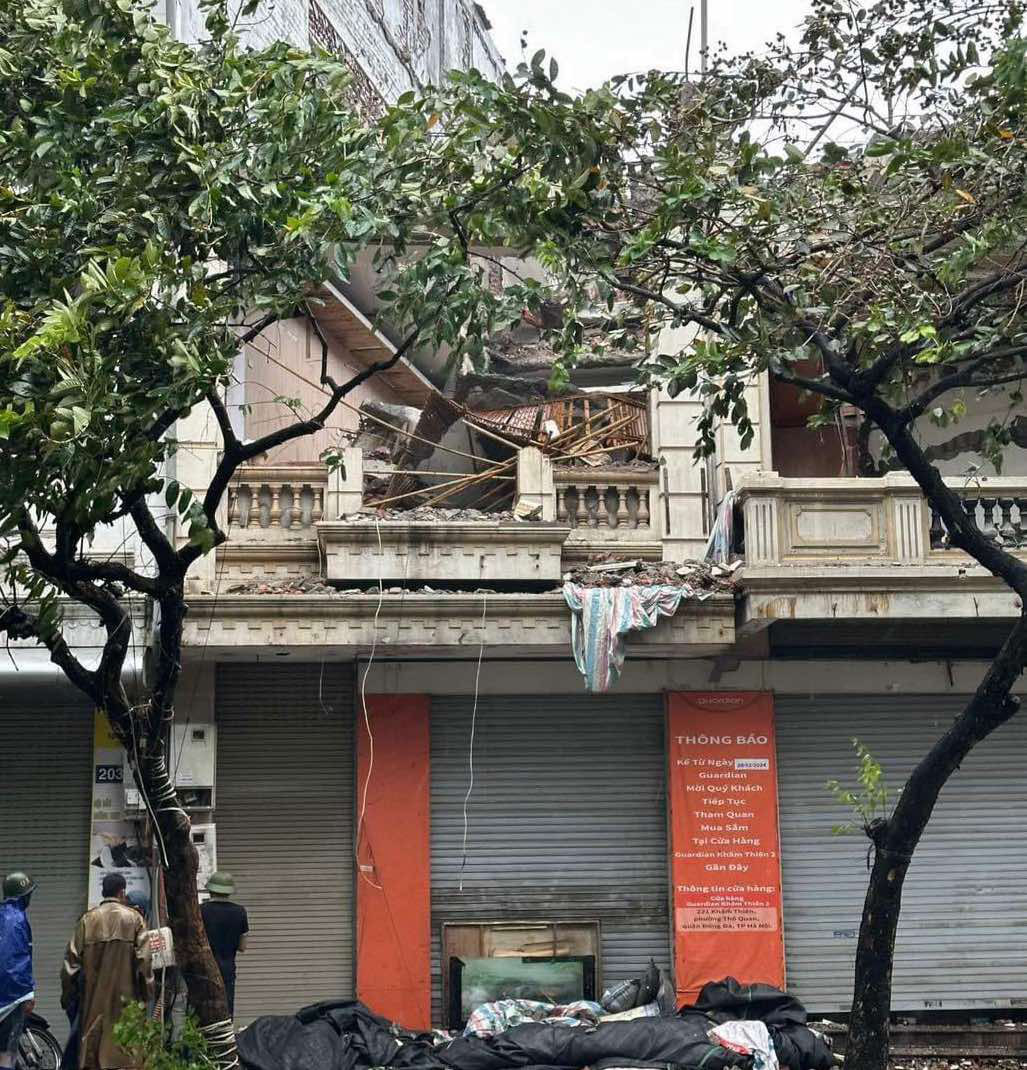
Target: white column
346,485
193,465
535,487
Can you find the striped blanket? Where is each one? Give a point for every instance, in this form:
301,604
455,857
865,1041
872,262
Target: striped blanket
602,616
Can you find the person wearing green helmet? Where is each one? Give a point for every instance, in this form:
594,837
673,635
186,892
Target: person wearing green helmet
17,986
227,926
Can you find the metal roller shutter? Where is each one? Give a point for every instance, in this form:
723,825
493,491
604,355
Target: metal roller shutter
567,820
45,825
285,829
960,942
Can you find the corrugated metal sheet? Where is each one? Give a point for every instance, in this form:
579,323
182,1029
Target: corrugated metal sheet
285,829
47,796
567,820
962,938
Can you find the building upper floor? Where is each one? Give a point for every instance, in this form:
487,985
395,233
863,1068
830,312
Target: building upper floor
391,46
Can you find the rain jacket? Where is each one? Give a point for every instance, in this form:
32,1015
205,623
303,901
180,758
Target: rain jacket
106,965
16,982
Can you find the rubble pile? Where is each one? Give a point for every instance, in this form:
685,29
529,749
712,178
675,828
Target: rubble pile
941,1062
610,571
312,585
289,585
430,514
618,459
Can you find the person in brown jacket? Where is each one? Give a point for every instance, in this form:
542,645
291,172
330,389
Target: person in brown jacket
106,965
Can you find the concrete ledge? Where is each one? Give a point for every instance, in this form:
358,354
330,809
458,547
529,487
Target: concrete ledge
871,592
419,623
580,547
247,561
449,551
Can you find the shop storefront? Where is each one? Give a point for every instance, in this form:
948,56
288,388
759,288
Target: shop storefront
539,840
285,818
46,767
961,942
566,821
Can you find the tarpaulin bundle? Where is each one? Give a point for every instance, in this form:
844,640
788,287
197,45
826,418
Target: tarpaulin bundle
348,1036
729,1000
333,1036
796,1045
651,1041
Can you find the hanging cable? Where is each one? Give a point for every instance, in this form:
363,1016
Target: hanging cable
367,716
474,723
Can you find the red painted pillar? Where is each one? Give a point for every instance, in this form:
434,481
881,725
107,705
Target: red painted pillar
394,859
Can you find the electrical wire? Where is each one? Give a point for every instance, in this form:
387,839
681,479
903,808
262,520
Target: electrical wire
363,703
474,724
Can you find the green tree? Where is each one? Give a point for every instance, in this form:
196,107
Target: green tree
846,213
161,204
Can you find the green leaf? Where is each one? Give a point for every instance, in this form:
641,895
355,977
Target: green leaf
80,418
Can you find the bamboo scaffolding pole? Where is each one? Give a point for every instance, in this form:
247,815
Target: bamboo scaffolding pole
382,472
494,492
453,485
595,435
474,480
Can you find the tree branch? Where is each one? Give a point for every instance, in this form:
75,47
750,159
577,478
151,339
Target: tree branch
813,386
20,624
965,377
258,328
679,310
999,282
113,615
156,541
223,419
962,528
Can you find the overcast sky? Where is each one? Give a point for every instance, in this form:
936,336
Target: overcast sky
594,39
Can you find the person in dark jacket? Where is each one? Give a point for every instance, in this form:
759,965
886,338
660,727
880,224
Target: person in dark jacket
17,986
227,926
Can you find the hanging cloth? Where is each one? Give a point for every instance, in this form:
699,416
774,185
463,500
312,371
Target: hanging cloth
602,616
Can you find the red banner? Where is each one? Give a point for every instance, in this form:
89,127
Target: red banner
724,838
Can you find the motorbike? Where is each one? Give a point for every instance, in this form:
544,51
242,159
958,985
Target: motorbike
38,1048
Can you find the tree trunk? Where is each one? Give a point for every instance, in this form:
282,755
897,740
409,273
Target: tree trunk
868,1042
193,957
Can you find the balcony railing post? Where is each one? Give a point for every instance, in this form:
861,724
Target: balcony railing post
762,535
909,519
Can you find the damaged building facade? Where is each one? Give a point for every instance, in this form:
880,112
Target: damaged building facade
412,721
403,707
504,694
